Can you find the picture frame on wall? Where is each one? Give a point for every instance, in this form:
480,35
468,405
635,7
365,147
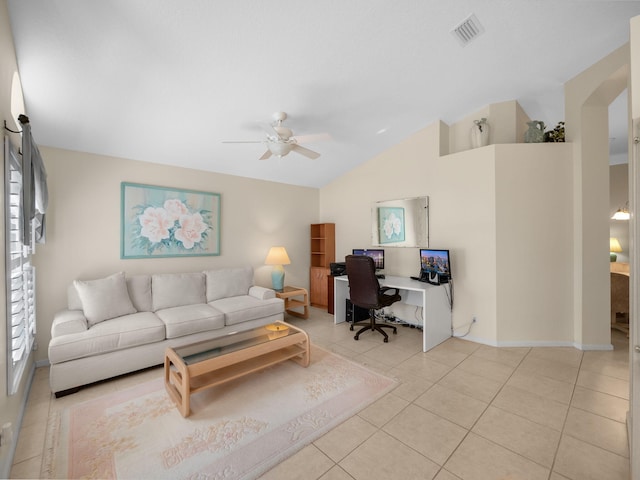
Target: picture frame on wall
391,225
161,222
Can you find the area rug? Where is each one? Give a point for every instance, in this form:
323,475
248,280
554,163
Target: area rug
238,430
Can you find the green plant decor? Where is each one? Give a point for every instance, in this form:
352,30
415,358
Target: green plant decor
555,135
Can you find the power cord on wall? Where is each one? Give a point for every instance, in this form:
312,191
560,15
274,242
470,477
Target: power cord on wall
453,329
449,293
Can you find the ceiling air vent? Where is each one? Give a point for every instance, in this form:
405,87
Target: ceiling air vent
469,29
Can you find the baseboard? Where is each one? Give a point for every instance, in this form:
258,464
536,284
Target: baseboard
596,346
537,343
43,363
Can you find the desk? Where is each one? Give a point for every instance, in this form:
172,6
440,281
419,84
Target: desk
432,299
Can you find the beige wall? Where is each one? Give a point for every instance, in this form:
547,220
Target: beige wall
507,124
534,243
504,211
83,225
587,99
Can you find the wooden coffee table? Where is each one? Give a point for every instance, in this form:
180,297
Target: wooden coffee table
192,368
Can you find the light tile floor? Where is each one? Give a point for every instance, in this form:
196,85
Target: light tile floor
460,411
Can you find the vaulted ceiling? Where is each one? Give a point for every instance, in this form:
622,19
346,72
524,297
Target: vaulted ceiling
169,81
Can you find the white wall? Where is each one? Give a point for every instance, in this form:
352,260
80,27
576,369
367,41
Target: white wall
83,225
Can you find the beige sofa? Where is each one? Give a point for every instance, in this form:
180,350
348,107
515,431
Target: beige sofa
120,324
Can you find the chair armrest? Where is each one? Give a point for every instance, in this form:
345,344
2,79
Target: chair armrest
262,293
384,290
68,321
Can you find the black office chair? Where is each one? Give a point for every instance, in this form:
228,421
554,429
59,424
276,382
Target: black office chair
365,292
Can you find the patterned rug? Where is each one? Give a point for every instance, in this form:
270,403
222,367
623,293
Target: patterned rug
238,430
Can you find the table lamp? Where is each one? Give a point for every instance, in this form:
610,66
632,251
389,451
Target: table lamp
614,247
277,257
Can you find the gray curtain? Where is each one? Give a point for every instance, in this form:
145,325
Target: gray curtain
35,195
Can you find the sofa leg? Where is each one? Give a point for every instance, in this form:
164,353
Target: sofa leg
69,391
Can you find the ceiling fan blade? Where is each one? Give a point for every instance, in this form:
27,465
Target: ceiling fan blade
305,151
317,137
265,155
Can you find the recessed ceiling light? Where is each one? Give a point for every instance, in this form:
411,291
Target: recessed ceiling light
468,30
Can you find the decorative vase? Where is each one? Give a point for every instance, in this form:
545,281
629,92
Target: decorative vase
535,133
480,133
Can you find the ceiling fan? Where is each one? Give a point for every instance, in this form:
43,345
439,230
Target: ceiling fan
280,140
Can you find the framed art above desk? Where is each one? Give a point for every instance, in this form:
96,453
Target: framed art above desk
433,300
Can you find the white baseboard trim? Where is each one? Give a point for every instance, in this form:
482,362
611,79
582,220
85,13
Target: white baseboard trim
43,363
537,343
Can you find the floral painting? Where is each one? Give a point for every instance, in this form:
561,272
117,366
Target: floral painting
168,222
390,224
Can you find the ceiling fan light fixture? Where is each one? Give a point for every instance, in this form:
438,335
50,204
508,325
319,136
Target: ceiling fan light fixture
279,149
621,214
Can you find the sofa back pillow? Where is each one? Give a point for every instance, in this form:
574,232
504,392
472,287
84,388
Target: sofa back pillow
228,282
73,299
139,287
104,298
177,289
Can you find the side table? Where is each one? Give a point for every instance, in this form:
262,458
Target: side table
287,293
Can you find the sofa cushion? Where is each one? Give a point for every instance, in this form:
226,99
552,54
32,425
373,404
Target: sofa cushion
68,321
244,308
228,282
104,298
188,319
110,335
177,289
139,287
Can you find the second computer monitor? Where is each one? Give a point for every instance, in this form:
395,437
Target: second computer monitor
435,262
376,253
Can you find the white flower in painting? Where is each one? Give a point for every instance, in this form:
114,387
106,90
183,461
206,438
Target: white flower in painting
155,223
191,229
392,225
175,208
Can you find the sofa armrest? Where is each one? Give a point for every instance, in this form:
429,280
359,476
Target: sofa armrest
68,321
262,293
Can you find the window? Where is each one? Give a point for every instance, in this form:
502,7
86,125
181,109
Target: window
19,275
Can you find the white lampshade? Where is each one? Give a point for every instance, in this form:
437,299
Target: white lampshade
277,256
614,245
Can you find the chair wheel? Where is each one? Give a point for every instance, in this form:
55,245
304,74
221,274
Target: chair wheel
395,332
386,340
356,337
351,328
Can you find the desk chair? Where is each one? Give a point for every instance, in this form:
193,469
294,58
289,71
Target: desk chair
365,292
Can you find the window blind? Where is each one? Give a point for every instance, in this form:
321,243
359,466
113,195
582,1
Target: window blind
19,274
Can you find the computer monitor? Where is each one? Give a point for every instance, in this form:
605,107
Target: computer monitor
376,254
434,262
